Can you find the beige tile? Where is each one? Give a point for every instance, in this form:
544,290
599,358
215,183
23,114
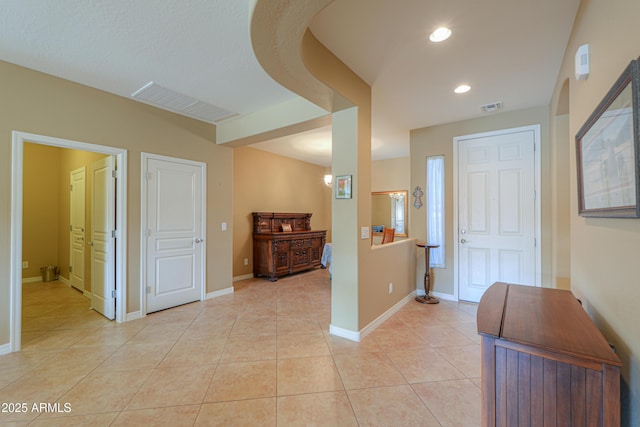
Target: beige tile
339,345
243,413
402,337
443,335
171,416
57,339
136,356
172,387
78,360
107,336
317,409
263,325
247,380
302,345
390,406
94,420
159,333
454,403
249,348
104,391
307,375
194,353
465,358
423,365
367,370
35,389
297,325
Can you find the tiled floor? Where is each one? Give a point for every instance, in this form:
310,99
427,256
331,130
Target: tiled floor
259,357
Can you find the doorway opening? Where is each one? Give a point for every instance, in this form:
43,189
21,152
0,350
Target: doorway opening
119,209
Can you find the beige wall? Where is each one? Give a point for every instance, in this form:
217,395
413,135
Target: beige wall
40,208
266,182
391,174
604,252
41,104
438,140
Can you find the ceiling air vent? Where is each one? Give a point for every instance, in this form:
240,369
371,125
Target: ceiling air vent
490,108
168,99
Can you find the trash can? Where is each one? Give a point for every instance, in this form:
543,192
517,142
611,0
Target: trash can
49,273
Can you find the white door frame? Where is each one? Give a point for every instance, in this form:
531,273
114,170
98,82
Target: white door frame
18,140
144,224
538,221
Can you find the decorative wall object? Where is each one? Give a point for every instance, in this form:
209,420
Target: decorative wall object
417,193
608,154
343,187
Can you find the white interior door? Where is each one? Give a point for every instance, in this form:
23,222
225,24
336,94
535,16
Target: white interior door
77,187
496,212
103,230
174,232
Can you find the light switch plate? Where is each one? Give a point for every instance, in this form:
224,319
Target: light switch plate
364,233
223,226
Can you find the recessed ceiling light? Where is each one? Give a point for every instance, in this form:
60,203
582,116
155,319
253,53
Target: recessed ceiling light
462,89
440,34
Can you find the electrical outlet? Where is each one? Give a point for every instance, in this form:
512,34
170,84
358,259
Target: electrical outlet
246,261
25,264
390,287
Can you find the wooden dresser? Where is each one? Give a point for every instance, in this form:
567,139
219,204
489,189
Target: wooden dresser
277,252
544,362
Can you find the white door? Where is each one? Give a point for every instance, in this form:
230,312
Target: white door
174,232
496,212
77,227
103,229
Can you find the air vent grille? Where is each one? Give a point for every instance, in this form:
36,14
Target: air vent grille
490,108
168,99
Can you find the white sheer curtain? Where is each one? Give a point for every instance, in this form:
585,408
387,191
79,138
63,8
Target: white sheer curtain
435,209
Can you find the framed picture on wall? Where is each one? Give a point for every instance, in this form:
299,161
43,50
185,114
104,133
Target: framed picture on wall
608,153
343,187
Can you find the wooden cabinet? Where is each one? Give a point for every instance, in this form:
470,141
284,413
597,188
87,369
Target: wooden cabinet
277,252
544,362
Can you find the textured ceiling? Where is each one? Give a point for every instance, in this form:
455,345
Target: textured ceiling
507,50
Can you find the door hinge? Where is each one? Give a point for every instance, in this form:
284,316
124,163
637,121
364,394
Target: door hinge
70,227
113,234
149,176
71,187
70,268
114,173
113,293
535,242
148,289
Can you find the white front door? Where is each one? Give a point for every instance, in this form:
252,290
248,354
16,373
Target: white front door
77,187
103,229
174,231
496,212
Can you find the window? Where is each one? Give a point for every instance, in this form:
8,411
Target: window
435,209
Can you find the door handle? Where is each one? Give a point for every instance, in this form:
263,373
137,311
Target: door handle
463,241
89,243
198,240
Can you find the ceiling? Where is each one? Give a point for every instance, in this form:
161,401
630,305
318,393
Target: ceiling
506,50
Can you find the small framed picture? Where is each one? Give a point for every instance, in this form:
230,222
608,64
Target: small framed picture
286,228
343,187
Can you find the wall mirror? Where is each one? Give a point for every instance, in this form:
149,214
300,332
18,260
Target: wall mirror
389,210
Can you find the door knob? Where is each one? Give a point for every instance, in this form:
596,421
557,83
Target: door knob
463,241
199,240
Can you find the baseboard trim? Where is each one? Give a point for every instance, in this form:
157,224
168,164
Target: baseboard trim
358,336
344,333
64,280
243,277
386,315
32,279
216,294
5,349
87,294
133,316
